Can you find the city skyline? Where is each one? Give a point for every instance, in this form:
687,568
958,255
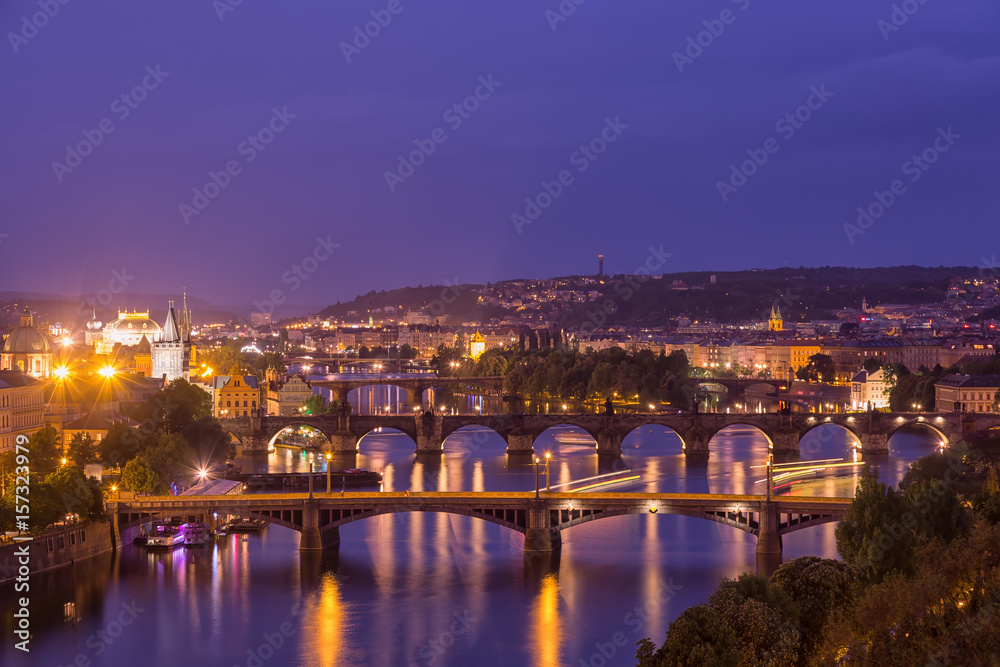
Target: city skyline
300,137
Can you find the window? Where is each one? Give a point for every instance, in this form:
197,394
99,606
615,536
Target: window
244,404
228,404
83,535
236,383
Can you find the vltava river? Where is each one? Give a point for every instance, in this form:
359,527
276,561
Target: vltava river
433,589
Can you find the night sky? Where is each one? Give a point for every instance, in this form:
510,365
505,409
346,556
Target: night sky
892,93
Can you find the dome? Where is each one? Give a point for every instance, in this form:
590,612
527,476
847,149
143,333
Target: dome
26,340
94,324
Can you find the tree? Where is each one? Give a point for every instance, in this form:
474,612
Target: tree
209,441
821,588
872,364
81,450
138,477
700,636
314,405
122,443
70,487
168,457
45,450
177,405
819,369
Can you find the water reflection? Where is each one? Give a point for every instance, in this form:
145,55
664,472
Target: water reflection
391,594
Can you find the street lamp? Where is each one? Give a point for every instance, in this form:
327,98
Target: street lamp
328,456
536,476
310,475
548,481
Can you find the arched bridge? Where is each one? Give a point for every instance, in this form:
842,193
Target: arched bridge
541,519
871,430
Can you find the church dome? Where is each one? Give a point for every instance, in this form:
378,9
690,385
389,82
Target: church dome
94,324
135,324
26,340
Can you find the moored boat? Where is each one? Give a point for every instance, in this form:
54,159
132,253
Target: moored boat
167,536
197,535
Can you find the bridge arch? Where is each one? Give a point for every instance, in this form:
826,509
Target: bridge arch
743,423
513,519
821,436
651,427
391,431
172,513
478,437
324,442
574,435
919,424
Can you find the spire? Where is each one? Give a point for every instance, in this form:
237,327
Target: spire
185,323
26,319
170,333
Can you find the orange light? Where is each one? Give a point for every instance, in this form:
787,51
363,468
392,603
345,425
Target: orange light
108,371
61,372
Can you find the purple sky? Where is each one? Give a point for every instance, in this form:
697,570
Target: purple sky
324,174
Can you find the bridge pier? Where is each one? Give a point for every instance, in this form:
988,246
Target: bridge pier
785,441
343,441
429,440
520,442
875,443
696,442
609,441
310,539
768,539
540,535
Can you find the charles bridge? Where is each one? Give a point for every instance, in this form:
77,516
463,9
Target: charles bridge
783,431
415,385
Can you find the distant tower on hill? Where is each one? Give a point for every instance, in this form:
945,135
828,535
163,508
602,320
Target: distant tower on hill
600,266
774,323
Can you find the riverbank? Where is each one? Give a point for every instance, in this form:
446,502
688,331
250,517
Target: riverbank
56,548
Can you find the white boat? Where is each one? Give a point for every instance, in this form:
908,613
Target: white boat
167,537
197,535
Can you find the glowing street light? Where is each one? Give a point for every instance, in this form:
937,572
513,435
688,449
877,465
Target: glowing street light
61,372
107,372
548,481
328,457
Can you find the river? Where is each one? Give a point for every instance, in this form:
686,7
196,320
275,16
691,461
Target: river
423,589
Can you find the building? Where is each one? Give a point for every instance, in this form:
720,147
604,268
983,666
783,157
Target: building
477,345
26,349
143,358
171,355
774,323
869,390
285,395
966,393
92,424
127,330
236,396
260,319
22,407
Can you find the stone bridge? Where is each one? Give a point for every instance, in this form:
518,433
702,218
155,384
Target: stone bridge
541,517
736,388
415,385
871,430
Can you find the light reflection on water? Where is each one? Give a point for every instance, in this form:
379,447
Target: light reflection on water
435,588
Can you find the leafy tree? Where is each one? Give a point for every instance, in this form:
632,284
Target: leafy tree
314,405
872,364
138,477
71,489
169,457
122,443
45,450
177,405
821,588
819,369
209,441
699,637
948,613
81,450
871,537
941,515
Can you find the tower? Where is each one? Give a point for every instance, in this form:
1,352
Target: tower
600,266
774,323
170,355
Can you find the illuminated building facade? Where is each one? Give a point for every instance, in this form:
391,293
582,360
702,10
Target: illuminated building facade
128,330
171,354
236,395
477,345
26,349
22,407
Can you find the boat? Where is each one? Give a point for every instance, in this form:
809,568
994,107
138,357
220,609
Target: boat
564,438
167,536
300,480
197,535
246,525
